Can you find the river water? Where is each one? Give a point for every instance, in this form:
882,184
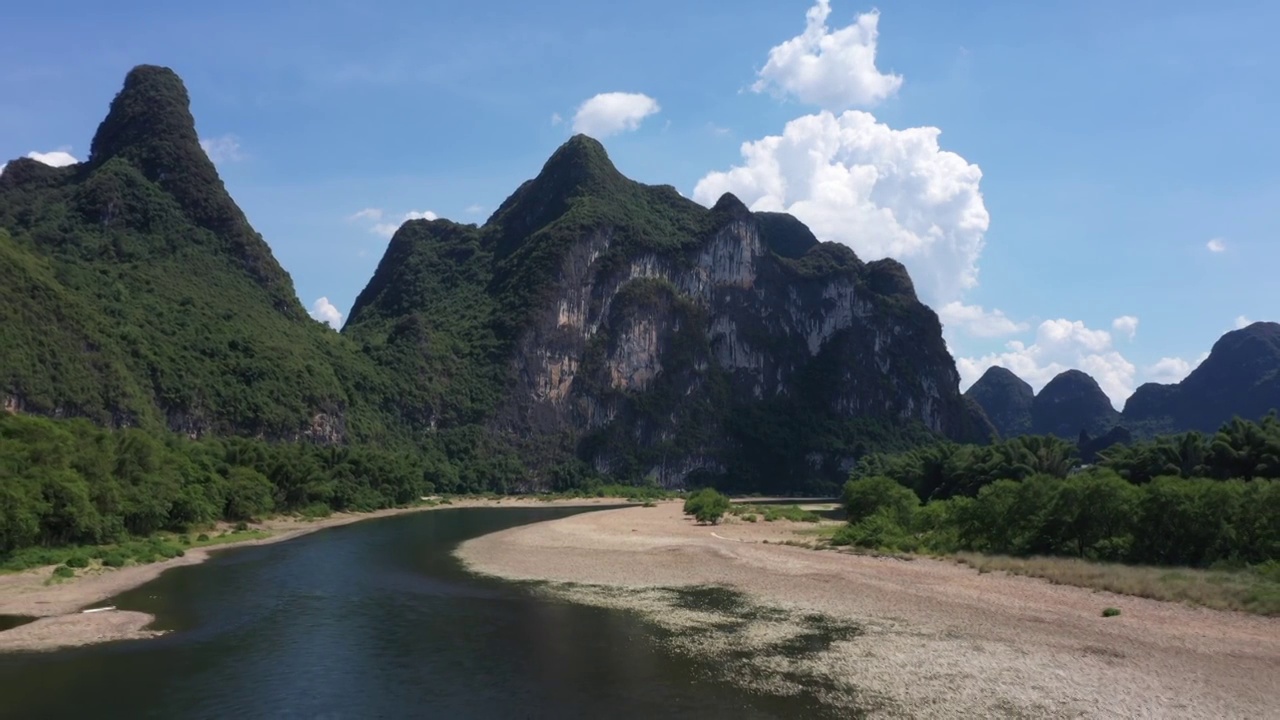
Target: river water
373,620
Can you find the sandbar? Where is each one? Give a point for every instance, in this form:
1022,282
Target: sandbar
895,637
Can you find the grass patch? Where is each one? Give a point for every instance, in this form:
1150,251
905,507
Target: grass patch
137,551
1253,590
773,513
1110,612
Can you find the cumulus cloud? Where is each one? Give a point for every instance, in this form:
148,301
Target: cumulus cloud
326,312
1242,322
56,158
1060,345
977,321
834,70
1170,370
387,229
611,113
375,216
223,149
1216,245
1126,325
882,192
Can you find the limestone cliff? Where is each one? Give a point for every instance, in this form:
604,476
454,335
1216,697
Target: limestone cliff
664,339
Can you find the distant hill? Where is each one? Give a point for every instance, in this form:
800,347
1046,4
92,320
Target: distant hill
1240,377
1006,399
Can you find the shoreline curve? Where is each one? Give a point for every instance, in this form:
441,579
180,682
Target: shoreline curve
57,608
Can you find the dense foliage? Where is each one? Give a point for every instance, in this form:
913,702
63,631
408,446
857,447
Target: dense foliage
70,482
1188,499
1240,449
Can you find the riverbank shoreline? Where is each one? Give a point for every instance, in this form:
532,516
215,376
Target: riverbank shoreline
893,637
57,607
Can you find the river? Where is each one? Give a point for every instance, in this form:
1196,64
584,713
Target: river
373,620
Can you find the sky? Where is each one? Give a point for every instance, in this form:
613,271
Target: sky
1090,185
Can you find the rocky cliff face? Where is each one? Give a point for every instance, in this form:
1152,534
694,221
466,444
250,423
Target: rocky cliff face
656,331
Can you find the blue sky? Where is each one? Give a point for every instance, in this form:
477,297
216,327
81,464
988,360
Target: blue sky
1089,160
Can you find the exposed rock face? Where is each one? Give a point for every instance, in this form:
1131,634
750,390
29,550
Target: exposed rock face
655,331
1070,403
1006,399
1241,377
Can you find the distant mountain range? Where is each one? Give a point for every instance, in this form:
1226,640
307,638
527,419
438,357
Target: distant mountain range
1240,377
593,326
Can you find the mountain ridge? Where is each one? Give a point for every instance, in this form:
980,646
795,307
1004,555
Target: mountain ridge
1239,377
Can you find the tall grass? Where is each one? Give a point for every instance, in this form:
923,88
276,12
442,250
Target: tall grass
1254,590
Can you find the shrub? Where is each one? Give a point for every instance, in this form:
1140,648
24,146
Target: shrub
115,559
242,526
202,537
749,518
1110,612
62,571
707,506
79,560
867,496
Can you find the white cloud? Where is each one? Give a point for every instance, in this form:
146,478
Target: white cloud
474,209
326,312
387,229
1060,345
1126,325
977,321
556,119
611,113
223,149
1216,245
882,192
1243,322
55,158
374,214
1170,370
833,70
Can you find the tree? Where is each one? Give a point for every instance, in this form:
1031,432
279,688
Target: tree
706,506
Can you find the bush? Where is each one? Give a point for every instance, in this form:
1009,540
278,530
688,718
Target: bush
1111,612
79,560
202,537
867,496
707,506
242,526
749,518
115,559
62,571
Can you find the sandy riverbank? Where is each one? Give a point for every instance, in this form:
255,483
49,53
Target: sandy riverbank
919,638
61,624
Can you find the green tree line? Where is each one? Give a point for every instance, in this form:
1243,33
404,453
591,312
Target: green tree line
69,482
1189,499
1240,449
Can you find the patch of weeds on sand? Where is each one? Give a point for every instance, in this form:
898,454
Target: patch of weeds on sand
773,513
1253,589
759,647
1110,612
